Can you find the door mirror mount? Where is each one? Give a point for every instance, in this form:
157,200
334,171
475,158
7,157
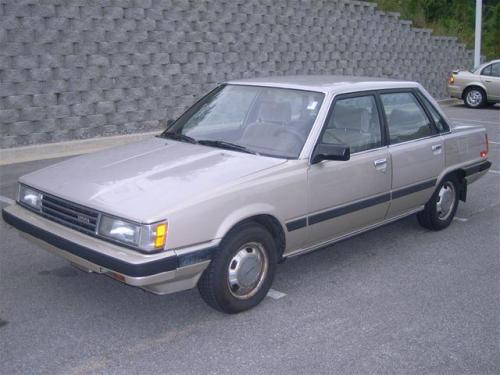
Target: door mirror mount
328,151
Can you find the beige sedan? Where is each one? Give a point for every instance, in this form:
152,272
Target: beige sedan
255,172
477,87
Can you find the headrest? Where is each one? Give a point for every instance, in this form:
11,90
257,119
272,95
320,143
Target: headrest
402,116
275,112
348,117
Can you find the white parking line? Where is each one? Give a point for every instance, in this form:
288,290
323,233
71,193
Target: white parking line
493,171
6,200
478,121
274,294
494,142
462,219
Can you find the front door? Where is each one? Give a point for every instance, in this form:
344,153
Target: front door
416,151
345,196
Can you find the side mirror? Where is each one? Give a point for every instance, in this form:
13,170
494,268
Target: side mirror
327,151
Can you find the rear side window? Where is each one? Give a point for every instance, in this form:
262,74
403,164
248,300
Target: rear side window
438,120
406,119
355,123
486,71
492,70
495,70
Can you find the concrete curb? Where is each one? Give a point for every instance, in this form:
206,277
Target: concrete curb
61,149
449,101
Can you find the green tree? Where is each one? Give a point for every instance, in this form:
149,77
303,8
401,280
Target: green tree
452,17
491,36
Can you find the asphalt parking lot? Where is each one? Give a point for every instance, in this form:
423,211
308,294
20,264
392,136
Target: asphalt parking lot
399,299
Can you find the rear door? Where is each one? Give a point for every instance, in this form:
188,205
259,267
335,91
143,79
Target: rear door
415,148
490,77
345,196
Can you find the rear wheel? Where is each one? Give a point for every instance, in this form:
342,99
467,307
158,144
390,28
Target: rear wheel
474,97
440,209
242,271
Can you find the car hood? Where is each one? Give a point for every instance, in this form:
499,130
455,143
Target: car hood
143,180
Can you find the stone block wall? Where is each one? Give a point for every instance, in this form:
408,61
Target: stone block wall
73,69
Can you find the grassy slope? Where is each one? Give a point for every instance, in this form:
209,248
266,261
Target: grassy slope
452,18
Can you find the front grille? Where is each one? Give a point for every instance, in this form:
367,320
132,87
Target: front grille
70,214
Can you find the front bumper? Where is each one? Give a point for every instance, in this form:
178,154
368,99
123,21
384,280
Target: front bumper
160,273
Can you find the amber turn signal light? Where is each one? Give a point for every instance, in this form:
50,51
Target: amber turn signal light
161,235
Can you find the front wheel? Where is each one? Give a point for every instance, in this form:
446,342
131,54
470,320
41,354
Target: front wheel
440,209
242,270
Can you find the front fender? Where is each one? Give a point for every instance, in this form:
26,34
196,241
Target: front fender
245,213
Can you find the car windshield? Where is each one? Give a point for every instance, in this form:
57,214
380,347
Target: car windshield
261,120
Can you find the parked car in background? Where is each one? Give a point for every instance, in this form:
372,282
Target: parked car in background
477,87
255,172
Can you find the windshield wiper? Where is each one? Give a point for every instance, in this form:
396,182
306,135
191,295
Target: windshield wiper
226,145
177,137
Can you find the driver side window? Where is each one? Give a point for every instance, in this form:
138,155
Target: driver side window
355,123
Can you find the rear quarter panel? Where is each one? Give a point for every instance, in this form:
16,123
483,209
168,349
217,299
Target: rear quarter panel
463,146
466,79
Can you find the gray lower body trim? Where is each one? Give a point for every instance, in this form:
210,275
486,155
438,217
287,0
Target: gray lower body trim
476,168
296,224
351,234
360,205
413,189
344,210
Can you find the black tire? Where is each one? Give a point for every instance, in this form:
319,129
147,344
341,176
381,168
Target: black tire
214,284
474,97
431,217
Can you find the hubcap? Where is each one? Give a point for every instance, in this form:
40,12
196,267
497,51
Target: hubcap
474,98
446,200
247,270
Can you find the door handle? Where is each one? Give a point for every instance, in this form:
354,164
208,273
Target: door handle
436,149
380,164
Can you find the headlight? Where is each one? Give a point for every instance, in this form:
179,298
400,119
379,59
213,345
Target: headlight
30,197
151,237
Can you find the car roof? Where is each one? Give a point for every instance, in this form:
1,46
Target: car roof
325,83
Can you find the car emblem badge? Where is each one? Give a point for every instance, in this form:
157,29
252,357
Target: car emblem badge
83,219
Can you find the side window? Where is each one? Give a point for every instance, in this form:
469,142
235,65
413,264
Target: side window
438,120
486,71
495,70
355,123
406,119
